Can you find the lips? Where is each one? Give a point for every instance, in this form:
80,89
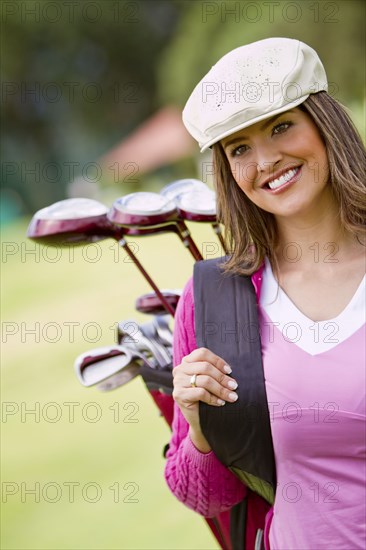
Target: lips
281,179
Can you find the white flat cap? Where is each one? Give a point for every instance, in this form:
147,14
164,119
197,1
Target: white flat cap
250,84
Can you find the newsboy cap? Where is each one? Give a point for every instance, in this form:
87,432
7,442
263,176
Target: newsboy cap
251,83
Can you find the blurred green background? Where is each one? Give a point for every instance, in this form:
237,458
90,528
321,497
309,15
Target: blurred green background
77,78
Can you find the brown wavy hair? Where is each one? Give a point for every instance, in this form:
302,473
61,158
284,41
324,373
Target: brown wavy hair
246,224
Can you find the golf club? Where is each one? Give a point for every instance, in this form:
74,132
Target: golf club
142,338
110,368
150,303
82,221
97,365
149,330
120,378
150,210
163,329
196,202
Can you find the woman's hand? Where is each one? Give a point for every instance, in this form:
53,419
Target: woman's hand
202,376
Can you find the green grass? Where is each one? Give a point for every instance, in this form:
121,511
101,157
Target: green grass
54,450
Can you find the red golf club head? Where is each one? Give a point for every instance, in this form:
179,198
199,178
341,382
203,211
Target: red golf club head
149,213
151,303
70,222
198,205
178,187
142,209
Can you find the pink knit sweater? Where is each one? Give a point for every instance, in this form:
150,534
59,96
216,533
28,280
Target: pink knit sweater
199,480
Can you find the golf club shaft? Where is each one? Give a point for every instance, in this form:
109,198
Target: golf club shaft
216,227
186,238
178,227
139,266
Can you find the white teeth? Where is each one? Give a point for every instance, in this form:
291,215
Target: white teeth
282,179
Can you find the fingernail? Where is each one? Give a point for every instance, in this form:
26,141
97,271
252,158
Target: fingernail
228,369
220,402
233,396
232,384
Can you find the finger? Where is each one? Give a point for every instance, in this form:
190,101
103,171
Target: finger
189,397
204,354
215,380
216,388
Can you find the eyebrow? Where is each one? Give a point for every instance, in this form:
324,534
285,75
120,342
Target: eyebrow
264,126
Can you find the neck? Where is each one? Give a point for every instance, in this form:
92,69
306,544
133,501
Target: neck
308,239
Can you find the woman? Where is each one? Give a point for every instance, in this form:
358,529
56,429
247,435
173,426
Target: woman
289,171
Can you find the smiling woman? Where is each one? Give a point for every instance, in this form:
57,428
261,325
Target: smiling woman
273,157
289,175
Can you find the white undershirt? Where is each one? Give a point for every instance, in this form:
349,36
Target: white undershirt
312,337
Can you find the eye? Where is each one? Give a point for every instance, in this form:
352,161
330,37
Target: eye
238,151
281,128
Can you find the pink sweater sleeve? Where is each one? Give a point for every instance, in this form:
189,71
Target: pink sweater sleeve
199,480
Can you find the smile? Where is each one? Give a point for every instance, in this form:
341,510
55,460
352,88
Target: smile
282,180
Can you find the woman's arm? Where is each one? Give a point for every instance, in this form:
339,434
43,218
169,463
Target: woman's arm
197,479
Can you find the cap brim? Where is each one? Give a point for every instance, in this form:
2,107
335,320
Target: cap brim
248,123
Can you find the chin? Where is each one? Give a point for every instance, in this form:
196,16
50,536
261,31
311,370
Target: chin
292,210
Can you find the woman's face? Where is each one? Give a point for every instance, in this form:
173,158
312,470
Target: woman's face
280,163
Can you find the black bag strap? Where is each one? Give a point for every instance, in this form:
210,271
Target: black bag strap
226,322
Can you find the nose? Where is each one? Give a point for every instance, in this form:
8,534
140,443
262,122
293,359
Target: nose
267,157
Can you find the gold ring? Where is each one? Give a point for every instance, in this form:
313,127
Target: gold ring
194,380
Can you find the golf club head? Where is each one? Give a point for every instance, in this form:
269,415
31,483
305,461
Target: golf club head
195,201
120,378
96,365
142,209
164,332
71,222
130,333
162,352
178,187
142,231
151,303
198,205
150,213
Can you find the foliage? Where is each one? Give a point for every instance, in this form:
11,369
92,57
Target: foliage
336,30
75,82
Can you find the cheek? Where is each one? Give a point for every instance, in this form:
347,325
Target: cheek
318,160
324,162
243,173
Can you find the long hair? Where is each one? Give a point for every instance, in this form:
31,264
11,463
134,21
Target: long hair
250,232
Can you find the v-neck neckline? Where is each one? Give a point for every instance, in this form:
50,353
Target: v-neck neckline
312,337
292,305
